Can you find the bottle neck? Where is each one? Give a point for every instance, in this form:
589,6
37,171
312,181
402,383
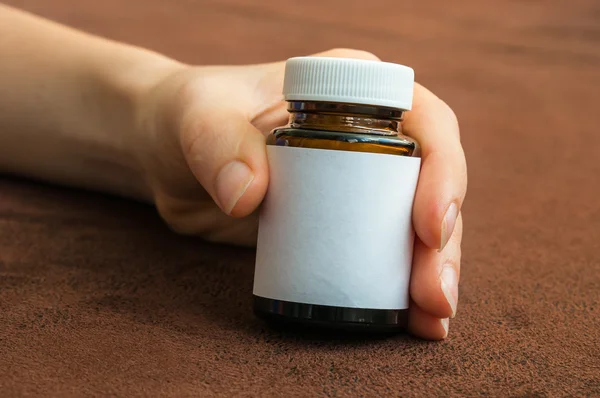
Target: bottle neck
353,118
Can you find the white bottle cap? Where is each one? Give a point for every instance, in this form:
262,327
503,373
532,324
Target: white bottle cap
353,81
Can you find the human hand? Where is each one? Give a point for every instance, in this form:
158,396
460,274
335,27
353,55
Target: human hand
202,147
125,120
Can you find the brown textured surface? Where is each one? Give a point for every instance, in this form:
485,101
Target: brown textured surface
98,297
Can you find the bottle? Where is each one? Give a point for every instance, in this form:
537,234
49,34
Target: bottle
335,238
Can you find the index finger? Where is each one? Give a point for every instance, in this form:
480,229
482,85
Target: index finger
443,181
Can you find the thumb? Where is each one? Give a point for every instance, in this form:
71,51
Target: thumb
224,148
227,155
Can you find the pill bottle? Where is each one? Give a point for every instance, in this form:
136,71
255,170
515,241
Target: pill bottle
335,238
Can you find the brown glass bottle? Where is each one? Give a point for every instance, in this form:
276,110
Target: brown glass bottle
340,127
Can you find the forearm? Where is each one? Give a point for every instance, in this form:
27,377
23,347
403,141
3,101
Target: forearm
68,104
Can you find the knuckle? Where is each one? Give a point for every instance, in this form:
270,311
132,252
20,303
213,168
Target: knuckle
180,228
191,88
180,223
185,111
451,115
182,93
173,214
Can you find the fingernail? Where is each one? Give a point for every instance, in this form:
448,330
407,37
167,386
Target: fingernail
448,224
445,324
232,182
449,284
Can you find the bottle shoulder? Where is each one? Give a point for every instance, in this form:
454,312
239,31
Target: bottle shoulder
345,141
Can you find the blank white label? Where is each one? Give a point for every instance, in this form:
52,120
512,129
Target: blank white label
336,228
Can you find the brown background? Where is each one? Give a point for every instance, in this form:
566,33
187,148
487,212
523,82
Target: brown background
98,297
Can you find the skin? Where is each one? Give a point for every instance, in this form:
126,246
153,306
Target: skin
83,111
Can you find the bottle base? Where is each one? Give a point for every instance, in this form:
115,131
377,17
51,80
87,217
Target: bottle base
303,315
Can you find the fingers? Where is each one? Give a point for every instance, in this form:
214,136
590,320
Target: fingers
436,214
426,326
435,276
226,154
434,287
201,218
443,179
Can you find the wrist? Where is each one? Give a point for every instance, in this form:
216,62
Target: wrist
124,90
68,113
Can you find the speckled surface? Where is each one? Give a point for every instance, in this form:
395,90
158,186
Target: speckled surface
98,297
